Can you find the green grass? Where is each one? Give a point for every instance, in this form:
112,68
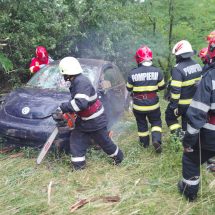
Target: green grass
145,181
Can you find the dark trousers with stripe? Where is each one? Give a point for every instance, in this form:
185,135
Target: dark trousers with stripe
154,118
172,119
80,141
191,168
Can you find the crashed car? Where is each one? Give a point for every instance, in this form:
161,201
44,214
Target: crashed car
26,112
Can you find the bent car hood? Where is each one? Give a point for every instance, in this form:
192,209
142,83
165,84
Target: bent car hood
34,103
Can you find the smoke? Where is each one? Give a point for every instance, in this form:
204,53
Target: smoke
117,42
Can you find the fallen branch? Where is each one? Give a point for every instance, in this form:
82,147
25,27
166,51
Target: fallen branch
7,149
49,192
83,202
17,155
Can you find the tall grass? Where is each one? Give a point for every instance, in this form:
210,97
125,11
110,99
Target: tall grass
145,181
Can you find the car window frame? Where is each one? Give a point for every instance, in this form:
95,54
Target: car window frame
117,72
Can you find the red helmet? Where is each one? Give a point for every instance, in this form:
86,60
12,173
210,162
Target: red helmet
210,36
144,53
41,53
211,48
203,53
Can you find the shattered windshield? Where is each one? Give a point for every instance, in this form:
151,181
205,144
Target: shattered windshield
50,78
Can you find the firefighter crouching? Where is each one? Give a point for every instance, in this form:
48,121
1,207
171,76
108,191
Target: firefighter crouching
143,82
185,77
201,123
91,120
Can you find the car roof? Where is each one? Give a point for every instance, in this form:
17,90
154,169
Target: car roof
93,62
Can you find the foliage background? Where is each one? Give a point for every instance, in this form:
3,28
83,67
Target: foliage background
110,30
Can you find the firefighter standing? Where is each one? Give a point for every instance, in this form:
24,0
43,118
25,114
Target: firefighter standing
210,36
204,58
201,123
143,82
42,58
185,77
91,121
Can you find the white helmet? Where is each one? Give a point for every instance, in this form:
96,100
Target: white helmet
70,66
183,48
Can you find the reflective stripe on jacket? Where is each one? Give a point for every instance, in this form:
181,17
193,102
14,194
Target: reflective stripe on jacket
185,78
83,95
202,106
145,79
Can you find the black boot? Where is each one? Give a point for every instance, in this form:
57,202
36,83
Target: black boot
189,191
78,165
157,146
144,141
145,145
179,133
118,158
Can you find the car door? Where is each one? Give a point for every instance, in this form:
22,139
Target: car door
112,88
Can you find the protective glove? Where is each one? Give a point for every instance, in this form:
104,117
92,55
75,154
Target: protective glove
176,112
58,115
64,107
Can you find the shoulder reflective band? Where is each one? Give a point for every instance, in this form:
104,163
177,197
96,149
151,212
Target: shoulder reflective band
86,97
190,82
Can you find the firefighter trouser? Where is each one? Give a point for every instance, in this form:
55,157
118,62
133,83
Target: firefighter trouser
80,142
154,118
172,119
191,169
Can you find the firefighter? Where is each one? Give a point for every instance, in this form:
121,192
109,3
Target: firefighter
198,142
42,59
143,83
91,122
185,76
204,58
210,36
